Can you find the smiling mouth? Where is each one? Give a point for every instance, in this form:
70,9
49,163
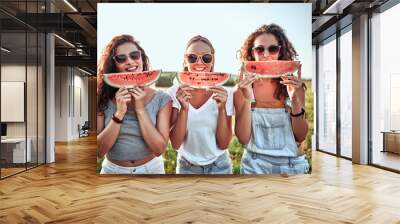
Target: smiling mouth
199,69
132,69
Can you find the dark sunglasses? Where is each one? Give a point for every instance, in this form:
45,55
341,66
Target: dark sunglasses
121,58
206,58
273,49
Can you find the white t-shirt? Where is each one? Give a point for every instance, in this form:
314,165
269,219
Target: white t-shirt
200,145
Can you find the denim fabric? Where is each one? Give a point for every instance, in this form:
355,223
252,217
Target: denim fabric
154,166
222,165
272,133
255,163
272,148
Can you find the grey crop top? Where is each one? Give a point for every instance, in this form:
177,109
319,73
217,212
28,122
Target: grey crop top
130,144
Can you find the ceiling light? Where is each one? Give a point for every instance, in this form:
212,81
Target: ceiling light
65,41
84,71
5,49
338,6
70,5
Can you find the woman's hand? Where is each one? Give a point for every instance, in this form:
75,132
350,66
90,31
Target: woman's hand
296,90
220,96
122,97
140,96
183,95
244,85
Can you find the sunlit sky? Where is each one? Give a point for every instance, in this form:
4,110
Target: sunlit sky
164,29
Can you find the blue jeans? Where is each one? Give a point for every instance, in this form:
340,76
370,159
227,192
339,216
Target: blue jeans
255,163
222,165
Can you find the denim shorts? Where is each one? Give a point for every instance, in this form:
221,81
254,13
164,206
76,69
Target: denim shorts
154,166
255,163
222,165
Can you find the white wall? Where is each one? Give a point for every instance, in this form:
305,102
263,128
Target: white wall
33,126
61,103
70,83
12,73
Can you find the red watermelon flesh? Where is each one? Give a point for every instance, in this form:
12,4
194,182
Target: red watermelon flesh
203,79
270,69
131,79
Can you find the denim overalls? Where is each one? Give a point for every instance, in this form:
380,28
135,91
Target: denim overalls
272,148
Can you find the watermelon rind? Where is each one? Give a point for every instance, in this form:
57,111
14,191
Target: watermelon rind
205,87
110,83
247,73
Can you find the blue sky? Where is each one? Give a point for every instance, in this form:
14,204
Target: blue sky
164,29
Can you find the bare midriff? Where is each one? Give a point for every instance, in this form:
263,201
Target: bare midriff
132,163
268,104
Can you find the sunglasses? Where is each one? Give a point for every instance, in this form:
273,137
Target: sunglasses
206,58
121,58
273,49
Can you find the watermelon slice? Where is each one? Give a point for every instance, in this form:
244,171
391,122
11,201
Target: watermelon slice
270,69
203,80
131,79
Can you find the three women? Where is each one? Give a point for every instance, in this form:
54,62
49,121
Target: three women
270,119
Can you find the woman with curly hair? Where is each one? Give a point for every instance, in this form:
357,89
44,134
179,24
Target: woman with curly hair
201,119
132,126
270,118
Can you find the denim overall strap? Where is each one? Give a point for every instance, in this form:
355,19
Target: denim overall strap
272,133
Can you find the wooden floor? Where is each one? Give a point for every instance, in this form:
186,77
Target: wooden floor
387,159
70,191
10,171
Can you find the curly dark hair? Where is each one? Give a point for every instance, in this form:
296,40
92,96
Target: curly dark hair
107,65
287,51
200,39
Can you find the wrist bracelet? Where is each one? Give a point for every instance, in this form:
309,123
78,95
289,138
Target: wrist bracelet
298,114
116,120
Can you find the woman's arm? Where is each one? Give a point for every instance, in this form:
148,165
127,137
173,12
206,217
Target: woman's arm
242,102
224,129
106,136
242,117
178,124
157,137
299,124
179,117
224,122
297,92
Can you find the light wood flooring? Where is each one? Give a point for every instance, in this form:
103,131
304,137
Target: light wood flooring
10,171
387,159
70,191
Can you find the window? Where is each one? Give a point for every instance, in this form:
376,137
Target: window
327,96
22,68
385,89
346,75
